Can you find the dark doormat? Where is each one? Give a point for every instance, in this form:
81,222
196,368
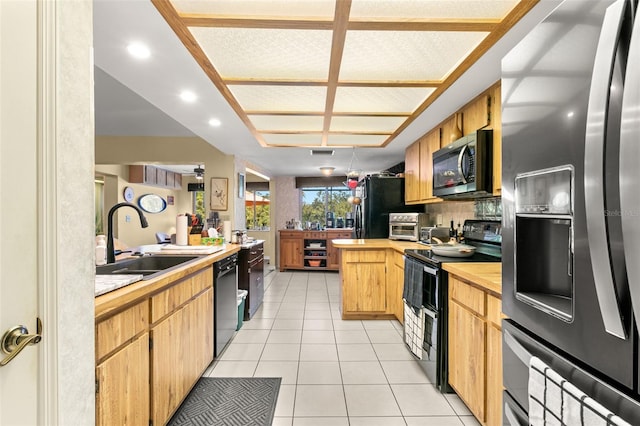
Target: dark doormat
229,401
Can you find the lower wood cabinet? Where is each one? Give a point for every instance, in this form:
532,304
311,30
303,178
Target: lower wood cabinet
311,250
475,349
291,251
396,285
122,386
149,356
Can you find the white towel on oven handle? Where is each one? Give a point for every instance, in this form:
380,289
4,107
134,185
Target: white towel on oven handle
555,401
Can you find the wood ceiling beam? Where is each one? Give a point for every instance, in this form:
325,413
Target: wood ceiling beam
340,23
452,24
320,83
335,114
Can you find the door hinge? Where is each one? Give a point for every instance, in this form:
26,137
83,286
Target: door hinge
488,110
97,386
150,343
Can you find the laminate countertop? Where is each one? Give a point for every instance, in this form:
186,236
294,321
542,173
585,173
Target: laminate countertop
130,294
487,276
377,243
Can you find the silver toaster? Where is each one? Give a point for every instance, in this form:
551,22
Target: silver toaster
428,232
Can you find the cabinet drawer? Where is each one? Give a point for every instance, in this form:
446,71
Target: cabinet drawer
494,310
467,295
202,281
290,234
364,256
167,301
120,328
315,235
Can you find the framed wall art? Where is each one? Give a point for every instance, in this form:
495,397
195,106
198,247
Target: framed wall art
241,185
219,193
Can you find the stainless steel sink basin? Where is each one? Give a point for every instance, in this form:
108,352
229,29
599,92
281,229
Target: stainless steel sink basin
148,266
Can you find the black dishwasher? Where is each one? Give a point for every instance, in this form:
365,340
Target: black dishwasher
225,292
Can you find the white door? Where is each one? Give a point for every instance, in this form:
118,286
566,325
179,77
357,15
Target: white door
18,208
46,210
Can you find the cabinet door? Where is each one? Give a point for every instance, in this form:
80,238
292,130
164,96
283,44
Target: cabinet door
412,173
123,386
467,358
182,350
496,124
396,306
291,253
428,145
364,281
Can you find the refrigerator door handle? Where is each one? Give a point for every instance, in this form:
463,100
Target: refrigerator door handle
594,170
629,170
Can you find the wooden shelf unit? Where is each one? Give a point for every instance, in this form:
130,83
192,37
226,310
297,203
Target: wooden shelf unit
298,248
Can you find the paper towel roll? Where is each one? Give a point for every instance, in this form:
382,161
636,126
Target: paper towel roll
181,230
226,231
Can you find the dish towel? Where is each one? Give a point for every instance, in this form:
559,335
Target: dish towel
413,329
412,290
555,401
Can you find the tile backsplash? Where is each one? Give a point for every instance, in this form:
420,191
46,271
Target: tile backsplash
458,211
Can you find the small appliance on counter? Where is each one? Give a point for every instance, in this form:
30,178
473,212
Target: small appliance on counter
349,222
330,222
427,233
406,226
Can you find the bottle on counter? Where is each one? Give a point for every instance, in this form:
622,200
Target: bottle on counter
101,250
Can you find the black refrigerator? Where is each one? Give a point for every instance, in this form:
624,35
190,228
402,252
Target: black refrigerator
380,196
571,228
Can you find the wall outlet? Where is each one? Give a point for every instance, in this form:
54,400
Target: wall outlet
439,219
127,218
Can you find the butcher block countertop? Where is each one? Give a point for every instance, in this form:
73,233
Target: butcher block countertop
377,243
115,300
486,276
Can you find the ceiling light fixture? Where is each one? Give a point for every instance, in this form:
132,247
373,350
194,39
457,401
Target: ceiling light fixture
138,50
199,172
214,122
188,96
327,171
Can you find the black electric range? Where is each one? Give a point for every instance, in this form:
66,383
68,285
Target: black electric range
426,292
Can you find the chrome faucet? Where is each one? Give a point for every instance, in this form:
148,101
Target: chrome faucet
111,254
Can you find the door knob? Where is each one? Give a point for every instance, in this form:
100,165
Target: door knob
16,339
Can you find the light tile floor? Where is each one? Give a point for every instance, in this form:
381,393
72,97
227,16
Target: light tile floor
334,372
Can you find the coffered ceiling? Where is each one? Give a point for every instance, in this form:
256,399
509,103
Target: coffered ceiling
285,77
336,73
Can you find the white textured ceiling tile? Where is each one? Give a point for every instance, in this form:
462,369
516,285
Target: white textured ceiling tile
293,140
287,122
364,124
258,8
266,53
411,55
380,99
360,140
425,9
280,98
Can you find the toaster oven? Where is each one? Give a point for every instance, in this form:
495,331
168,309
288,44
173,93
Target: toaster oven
406,226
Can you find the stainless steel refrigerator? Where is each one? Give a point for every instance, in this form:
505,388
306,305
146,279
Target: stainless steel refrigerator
571,209
380,196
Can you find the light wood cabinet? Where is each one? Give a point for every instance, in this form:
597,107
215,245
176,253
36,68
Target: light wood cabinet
333,253
475,349
412,174
496,125
122,386
182,349
291,252
364,281
150,354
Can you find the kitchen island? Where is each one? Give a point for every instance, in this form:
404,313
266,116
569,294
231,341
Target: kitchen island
154,339
372,277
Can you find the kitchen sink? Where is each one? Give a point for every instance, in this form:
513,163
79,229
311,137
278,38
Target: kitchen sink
147,266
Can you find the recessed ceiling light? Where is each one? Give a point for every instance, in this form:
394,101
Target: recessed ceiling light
327,171
214,122
138,50
188,96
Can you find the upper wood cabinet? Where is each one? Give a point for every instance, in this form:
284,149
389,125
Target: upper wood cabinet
155,176
418,158
483,112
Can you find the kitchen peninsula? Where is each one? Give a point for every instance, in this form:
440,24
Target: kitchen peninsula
372,277
154,339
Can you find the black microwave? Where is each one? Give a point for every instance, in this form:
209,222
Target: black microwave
463,169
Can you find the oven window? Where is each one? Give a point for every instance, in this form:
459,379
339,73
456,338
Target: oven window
403,230
429,291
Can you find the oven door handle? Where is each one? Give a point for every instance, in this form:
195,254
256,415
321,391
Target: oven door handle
431,271
430,313
510,415
520,351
